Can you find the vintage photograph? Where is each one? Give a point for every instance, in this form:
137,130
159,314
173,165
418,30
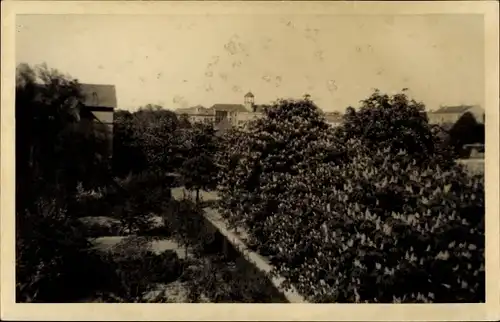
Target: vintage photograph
250,158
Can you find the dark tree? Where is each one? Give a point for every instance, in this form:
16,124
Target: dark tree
465,131
198,169
55,151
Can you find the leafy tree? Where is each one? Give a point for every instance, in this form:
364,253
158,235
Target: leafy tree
395,122
53,144
128,156
155,134
465,131
355,219
259,164
54,152
54,260
136,198
198,169
44,107
184,121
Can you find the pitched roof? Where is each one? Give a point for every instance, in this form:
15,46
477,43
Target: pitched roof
249,94
453,109
230,107
185,110
98,95
194,110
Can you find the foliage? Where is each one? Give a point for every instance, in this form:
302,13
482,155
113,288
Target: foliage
127,275
184,121
52,142
138,273
127,155
95,227
398,123
149,139
365,220
465,131
223,281
402,233
51,249
185,220
258,163
199,146
85,156
50,252
154,131
375,210
137,198
91,203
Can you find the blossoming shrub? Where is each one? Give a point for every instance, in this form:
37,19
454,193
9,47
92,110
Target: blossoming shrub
393,232
260,161
355,222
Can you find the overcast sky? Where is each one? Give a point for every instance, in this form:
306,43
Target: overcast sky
185,60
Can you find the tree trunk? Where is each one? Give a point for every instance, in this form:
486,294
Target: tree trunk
197,196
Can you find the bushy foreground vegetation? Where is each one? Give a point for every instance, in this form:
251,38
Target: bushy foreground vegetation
375,211
69,194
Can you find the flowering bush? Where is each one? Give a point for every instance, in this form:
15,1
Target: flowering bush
347,221
259,162
398,123
393,232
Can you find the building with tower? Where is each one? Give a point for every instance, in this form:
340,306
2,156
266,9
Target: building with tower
223,114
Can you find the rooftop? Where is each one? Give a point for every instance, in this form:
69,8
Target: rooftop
98,95
198,109
453,109
229,107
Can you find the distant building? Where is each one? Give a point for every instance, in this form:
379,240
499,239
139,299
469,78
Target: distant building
198,114
451,114
100,101
98,104
224,115
227,111
333,118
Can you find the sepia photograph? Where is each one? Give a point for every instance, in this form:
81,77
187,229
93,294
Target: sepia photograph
251,156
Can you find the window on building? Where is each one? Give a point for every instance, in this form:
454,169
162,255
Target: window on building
220,115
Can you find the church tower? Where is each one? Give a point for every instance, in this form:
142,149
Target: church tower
249,101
